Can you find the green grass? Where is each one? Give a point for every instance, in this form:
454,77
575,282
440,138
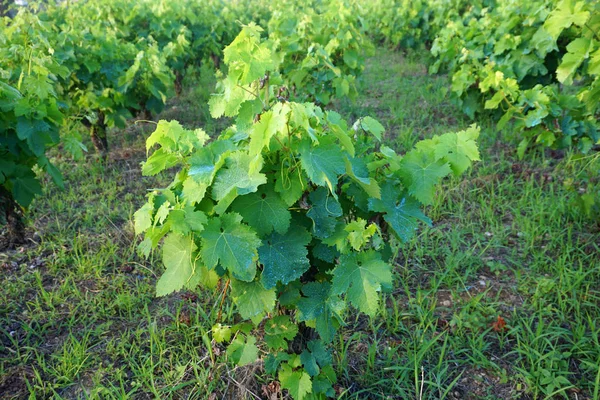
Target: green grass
78,318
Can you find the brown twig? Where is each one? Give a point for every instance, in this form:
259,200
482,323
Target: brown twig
223,300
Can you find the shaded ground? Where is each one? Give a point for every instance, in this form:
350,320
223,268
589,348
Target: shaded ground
78,318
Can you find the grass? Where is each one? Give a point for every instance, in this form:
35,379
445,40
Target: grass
78,318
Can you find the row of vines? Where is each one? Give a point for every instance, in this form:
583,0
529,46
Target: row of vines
533,68
79,67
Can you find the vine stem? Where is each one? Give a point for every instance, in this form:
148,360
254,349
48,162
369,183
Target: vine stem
253,94
284,147
223,300
593,31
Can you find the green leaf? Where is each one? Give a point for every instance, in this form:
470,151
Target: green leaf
284,257
178,257
372,126
202,276
310,363
323,163
319,306
187,220
565,15
195,219
594,64
39,86
143,216
339,238
166,134
227,241
52,171
314,356
271,122
290,185
320,352
279,330
252,299
324,212
297,383
323,384
577,51
264,211
243,352
204,164
247,58
25,189
36,133
236,177
229,97
360,276
272,362
158,162
221,333
162,213
535,116
7,167
421,172
339,128
542,42
357,169
402,213
358,233
522,148
459,149
193,191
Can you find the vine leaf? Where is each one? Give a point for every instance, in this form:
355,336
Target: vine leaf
372,126
323,163
252,299
324,212
221,333
186,220
178,257
229,98
271,122
310,363
25,189
357,169
158,162
235,179
171,136
227,241
339,128
565,15
284,257
290,185
317,305
247,58
264,211
298,383
359,234
243,352
402,212
143,217
360,276
204,164
421,173
459,149
279,330
37,133
578,50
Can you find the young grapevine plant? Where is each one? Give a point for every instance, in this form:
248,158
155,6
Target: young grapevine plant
291,211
